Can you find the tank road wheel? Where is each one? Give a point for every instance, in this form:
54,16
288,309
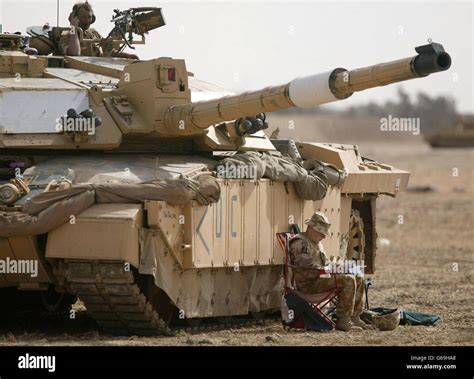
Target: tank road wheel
113,298
35,301
356,243
53,301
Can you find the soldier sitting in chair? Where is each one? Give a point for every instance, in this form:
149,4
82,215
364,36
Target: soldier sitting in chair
307,253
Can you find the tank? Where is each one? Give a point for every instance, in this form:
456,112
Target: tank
460,134
155,197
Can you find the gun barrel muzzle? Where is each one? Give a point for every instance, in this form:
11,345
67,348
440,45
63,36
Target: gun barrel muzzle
432,58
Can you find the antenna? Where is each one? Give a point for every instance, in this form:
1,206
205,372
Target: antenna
57,12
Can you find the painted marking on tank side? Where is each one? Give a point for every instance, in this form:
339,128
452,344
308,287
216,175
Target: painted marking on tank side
233,200
219,219
199,232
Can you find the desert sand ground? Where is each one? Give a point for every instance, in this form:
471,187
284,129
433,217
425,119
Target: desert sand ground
425,264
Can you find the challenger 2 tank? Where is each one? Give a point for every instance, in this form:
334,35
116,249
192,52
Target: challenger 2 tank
155,197
459,134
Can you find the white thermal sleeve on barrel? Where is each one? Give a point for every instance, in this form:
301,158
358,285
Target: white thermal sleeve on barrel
310,91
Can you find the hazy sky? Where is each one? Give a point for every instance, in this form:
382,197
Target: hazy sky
251,44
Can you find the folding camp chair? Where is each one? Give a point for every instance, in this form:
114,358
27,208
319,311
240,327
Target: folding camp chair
319,306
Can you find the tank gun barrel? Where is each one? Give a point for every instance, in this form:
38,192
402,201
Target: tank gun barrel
431,58
304,92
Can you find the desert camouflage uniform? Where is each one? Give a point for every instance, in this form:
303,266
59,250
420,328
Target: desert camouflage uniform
306,253
87,49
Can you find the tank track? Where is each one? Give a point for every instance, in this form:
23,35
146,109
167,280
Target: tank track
112,297
117,304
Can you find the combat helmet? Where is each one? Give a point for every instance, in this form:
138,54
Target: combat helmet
319,222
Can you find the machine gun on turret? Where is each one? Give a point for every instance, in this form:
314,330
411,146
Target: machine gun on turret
129,22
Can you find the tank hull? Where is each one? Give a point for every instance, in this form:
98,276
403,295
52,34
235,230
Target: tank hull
214,260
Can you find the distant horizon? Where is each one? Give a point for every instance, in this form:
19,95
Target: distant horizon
249,45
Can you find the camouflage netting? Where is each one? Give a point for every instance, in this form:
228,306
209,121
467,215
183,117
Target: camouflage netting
310,184
49,210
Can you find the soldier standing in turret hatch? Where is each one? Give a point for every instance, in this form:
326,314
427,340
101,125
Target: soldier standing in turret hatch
307,253
82,16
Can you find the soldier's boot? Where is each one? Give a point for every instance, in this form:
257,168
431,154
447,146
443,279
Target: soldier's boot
360,323
346,325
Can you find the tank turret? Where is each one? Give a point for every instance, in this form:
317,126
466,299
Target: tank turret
149,102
